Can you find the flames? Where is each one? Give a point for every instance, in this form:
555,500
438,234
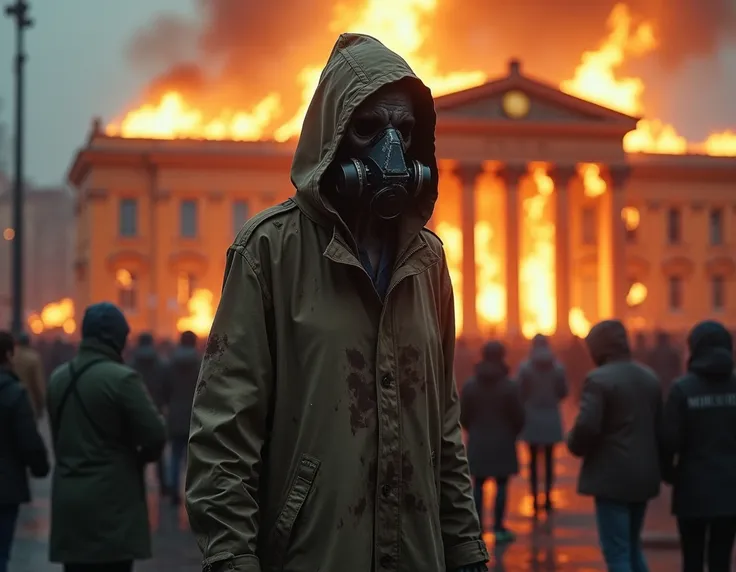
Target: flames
401,25
56,315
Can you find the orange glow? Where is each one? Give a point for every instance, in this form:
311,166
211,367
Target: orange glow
723,144
631,217
452,238
593,183
201,308
124,278
636,295
537,264
9,234
54,315
579,324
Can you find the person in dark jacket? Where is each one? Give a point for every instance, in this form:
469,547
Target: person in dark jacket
617,435
105,429
543,385
666,361
180,381
493,415
700,450
146,361
21,447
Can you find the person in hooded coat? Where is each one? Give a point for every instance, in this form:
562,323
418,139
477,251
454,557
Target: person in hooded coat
700,450
493,416
618,435
105,429
325,430
146,360
543,386
666,361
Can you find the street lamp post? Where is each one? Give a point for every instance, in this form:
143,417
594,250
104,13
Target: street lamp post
18,11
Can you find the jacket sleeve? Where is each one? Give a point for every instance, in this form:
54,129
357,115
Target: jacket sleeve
671,431
516,411
26,436
229,422
589,423
147,431
461,533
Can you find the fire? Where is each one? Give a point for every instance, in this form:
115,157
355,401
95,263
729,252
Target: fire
201,313
637,294
537,265
721,144
593,183
579,324
53,316
631,217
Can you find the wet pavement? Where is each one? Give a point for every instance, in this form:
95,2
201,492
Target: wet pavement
564,542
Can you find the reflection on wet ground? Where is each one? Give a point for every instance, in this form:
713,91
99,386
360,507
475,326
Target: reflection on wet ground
564,542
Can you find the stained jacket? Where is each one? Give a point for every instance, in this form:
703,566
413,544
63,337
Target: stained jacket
617,431
543,385
700,428
21,446
179,382
325,430
149,365
493,415
98,499
29,368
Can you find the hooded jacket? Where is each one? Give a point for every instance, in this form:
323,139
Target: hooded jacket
146,360
700,427
325,428
104,431
617,431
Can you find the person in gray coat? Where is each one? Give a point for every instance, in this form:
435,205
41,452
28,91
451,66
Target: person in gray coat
492,413
179,384
543,385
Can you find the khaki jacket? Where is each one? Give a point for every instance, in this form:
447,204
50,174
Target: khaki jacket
27,364
325,429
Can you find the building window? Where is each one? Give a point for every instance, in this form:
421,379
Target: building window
127,284
188,219
240,215
186,283
674,226
675,293
715,226
588,225
718,293
128,217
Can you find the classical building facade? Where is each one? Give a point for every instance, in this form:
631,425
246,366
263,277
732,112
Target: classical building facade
548,224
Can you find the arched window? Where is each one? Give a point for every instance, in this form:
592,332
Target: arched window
127,286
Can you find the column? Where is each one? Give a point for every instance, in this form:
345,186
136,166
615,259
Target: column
562,175
620,279
511,176
468,174
612,278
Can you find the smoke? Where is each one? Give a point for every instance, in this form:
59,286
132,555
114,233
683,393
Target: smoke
237,51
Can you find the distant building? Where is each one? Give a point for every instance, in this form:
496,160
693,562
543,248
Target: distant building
548,224
48,247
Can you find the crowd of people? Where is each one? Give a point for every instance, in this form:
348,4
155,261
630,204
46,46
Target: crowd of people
635,428
108,420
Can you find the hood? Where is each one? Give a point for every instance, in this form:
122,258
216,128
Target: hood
711,351
359,66
607,341
541,355
106,324
493,367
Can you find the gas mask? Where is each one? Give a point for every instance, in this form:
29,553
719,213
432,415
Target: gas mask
382,177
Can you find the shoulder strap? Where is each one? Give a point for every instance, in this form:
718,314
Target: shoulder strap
72,388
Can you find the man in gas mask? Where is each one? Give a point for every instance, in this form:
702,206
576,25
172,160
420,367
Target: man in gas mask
325,428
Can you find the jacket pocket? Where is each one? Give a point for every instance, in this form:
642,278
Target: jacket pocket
299,490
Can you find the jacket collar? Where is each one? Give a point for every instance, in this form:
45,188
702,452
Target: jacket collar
93,346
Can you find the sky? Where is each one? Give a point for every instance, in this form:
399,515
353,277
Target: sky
76,69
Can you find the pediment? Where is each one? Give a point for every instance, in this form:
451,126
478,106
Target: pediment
541,103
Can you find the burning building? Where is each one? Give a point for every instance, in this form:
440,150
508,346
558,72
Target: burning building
559,205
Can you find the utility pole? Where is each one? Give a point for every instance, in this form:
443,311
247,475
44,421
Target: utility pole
18,11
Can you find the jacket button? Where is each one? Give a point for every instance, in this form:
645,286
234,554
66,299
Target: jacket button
386,490
387,380
386,561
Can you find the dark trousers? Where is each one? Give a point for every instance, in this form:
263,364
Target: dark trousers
126,566
535,451
711,537
8,518
619,532
499,507
178,459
